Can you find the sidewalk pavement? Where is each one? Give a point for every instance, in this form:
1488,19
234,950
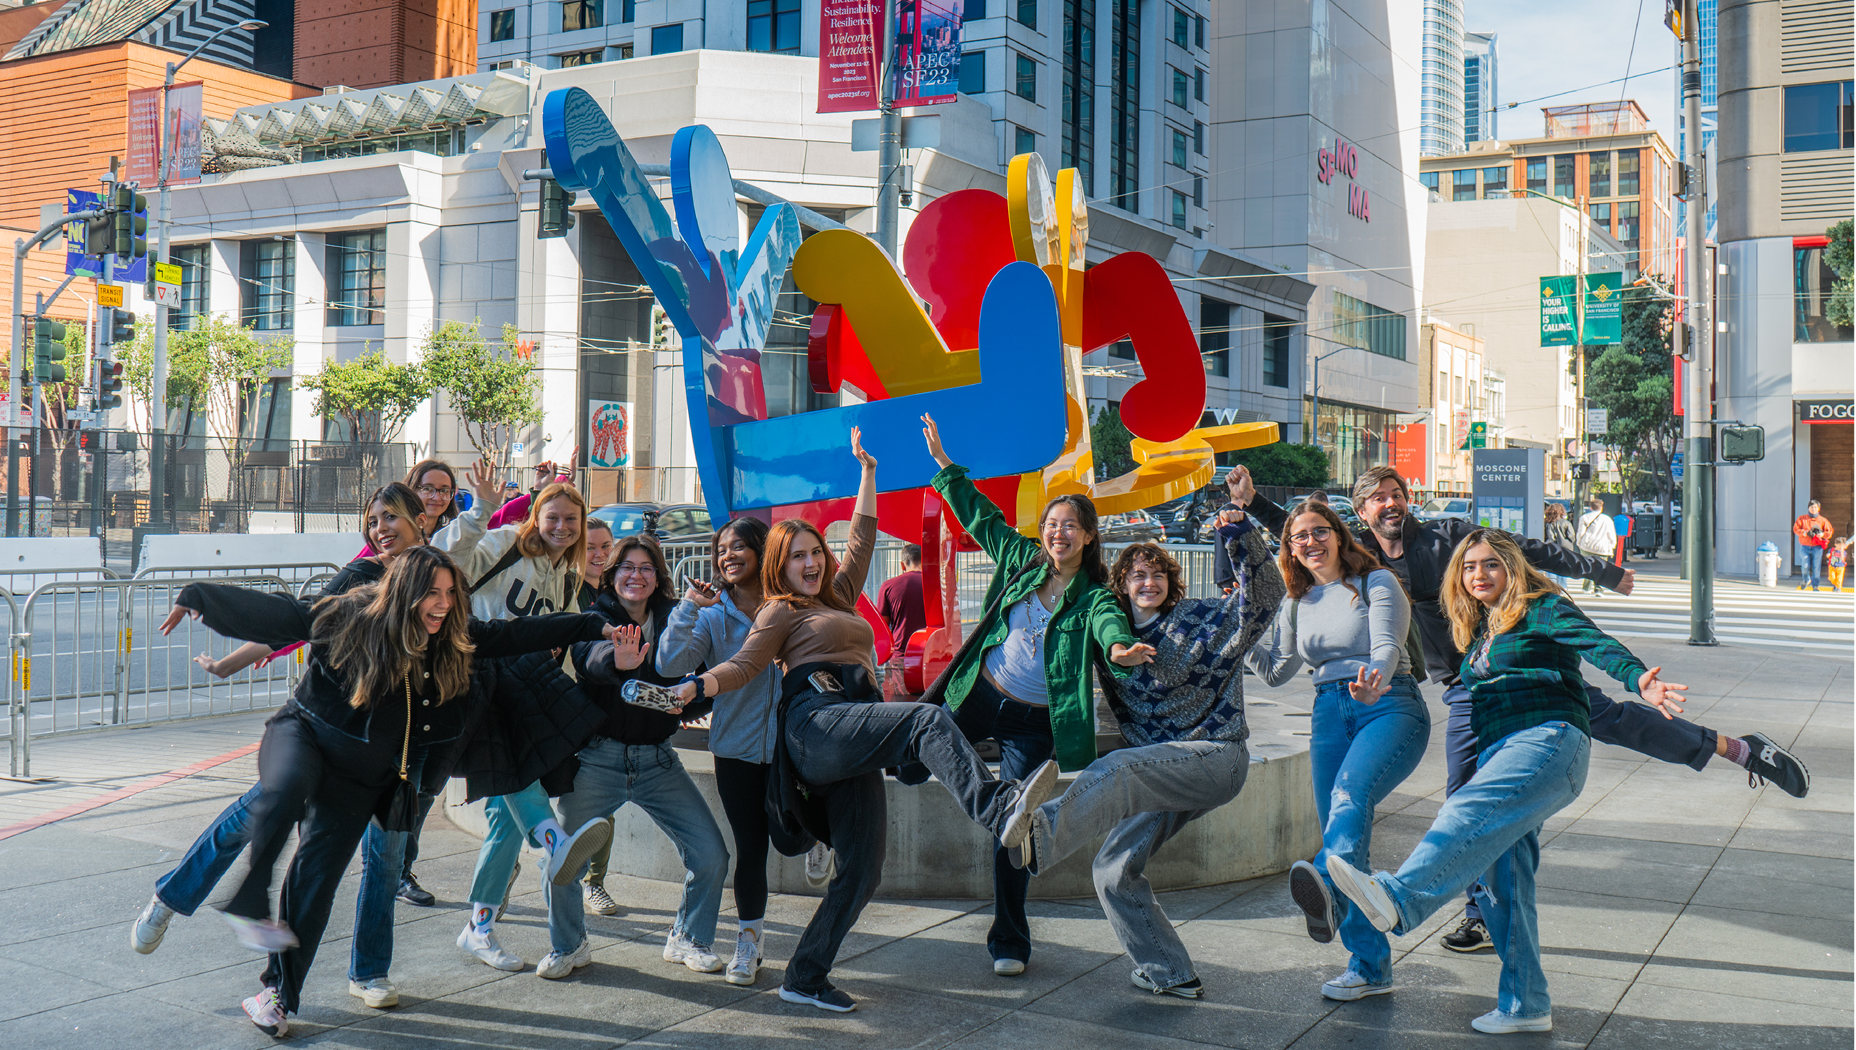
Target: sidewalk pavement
1678,909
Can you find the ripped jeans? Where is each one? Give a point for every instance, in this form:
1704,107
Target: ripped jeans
1359,753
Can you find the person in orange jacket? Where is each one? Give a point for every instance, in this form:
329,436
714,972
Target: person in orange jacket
1814,533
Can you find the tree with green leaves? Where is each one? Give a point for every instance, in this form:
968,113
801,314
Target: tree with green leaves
491,388
217,367
1634,382
1111,443
1280,463
374,395
1839,256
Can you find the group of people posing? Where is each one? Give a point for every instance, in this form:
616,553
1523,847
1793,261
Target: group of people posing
527,651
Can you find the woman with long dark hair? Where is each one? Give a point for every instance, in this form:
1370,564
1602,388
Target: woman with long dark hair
1350,620
708,627
1025,675
340,748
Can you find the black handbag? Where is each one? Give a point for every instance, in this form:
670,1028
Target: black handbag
398,808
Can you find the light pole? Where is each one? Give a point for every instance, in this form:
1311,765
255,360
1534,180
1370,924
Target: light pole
158,408
1314,418
1698,406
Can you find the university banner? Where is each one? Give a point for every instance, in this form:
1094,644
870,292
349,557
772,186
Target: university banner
847,55
925,66
1558,327
609,433
1604,309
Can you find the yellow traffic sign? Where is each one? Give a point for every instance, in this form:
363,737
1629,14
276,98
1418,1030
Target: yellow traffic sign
109,295
167,273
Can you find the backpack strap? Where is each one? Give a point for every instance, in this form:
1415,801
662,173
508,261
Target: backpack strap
510,557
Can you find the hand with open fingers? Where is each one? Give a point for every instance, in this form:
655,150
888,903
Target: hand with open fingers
483,483
565,473
544,473
627,654
1131,655
175,615
1238,483
1368,688
1660,694
932,435
211,666
857,449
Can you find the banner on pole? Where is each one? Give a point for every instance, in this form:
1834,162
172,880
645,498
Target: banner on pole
925,66
186,110
847,62
1408,452
1557,295
144,134
1604,309
78,264
609,433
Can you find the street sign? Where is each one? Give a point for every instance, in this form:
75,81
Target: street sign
167,273
109,295
1675,466
1597,421
167,295
1557,327
1478,435
516,447
1604,309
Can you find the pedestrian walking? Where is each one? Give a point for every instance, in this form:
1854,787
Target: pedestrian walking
1836,558
1558,533
1813,532
1598,536
1525,641
1349,620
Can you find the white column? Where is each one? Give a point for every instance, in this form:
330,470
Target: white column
548,312
412,308
310,330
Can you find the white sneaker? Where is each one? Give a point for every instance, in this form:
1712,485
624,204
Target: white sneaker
267,1012
821,865
699,957
261,935
1033,791
1497,1023
378,993
745,966
555,966
564,860
145,936
1365,891
484,947
1007,966
1350,986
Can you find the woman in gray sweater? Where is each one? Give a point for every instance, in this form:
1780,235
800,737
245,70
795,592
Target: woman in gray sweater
1349,621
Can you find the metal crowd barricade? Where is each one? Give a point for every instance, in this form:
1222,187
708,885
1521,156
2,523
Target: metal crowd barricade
289,572
75,666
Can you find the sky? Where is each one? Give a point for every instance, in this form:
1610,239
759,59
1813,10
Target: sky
1546,48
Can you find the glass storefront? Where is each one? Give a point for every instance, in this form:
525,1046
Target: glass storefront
1353,437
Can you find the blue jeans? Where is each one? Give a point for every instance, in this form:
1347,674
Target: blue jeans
1490,829
510,820
186,887
653,778
1023,733
383,866
1359,753
1813,559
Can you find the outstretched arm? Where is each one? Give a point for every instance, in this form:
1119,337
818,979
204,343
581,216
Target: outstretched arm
274,620
977,514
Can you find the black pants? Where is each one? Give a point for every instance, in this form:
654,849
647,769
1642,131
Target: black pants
859,814
1025,743
743,787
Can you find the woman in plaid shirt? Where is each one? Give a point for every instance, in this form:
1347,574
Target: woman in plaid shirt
1524,641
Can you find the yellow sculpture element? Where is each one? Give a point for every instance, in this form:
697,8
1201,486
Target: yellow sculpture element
839,266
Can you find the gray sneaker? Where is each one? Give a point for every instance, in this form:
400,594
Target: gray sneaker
145,936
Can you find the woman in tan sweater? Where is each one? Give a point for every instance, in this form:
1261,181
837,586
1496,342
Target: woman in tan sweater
837,734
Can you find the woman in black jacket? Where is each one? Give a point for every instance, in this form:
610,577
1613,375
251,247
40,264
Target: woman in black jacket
338,748
631,760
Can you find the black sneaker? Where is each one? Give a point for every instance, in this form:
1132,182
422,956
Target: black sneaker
826,998
1469,936
1190,990
1310,893
414,894
1770,762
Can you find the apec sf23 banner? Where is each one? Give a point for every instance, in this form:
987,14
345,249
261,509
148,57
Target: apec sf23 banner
847,55
609,433
925,65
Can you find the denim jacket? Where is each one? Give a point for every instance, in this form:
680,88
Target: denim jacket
742,726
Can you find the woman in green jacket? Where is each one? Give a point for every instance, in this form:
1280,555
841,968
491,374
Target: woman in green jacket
1024,678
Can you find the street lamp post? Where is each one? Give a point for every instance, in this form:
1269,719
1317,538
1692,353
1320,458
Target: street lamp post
158,414
1314,418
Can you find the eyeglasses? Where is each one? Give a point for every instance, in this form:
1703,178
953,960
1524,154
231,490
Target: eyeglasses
635,570
1320,534
1068,528
434,490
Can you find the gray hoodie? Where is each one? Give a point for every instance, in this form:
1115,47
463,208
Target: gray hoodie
743,725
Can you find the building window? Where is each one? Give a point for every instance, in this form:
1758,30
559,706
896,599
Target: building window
1198,84
502,25
1182,27
581,58
625,51
1429,180
1215,335
1027,86
1812,280
1198,137
267,270
1627,172
1179,209
1601,215
1125,99
1079,90
357,287
1123,349
1463,184
1198,31
1023,141
628,13
1563,177
1817,117
773,25
1276,349
1600,185
1494,182
666,39
1028,13
581,14
196,275
266,424
973,73
973,10
1359,323
1537,174
1628,218
1179,147
1180,87
1198,195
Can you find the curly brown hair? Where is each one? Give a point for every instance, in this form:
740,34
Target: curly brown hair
1153,554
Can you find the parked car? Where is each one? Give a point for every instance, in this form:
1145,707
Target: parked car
669,522
1136,526
1452,507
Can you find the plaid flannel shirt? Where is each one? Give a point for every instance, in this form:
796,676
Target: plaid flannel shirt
1529,675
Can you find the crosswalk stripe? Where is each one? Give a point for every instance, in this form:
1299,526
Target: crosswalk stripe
1744,614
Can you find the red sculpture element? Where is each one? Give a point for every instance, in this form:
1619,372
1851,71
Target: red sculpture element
955,246
1128,296
735,382
835,357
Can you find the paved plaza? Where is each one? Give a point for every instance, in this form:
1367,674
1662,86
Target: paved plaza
1678,909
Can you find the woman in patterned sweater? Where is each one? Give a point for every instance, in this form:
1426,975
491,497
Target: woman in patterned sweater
1183,717
1524,641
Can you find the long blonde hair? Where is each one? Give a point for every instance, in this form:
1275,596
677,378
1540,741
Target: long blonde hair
1525,583
374,634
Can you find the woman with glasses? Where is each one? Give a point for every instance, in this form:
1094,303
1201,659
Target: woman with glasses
1024,677
1350,622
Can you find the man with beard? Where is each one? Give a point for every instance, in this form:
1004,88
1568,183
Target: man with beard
1418,552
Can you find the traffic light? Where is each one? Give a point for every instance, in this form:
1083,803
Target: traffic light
47,351
121,328
661,328
109,383
1581,471
131,224
100,234
556,219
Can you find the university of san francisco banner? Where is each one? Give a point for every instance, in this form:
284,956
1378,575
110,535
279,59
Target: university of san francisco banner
1558,298
848,50
925,66
1604,308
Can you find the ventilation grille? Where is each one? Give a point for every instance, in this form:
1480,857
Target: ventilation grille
1816,188
1814,36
